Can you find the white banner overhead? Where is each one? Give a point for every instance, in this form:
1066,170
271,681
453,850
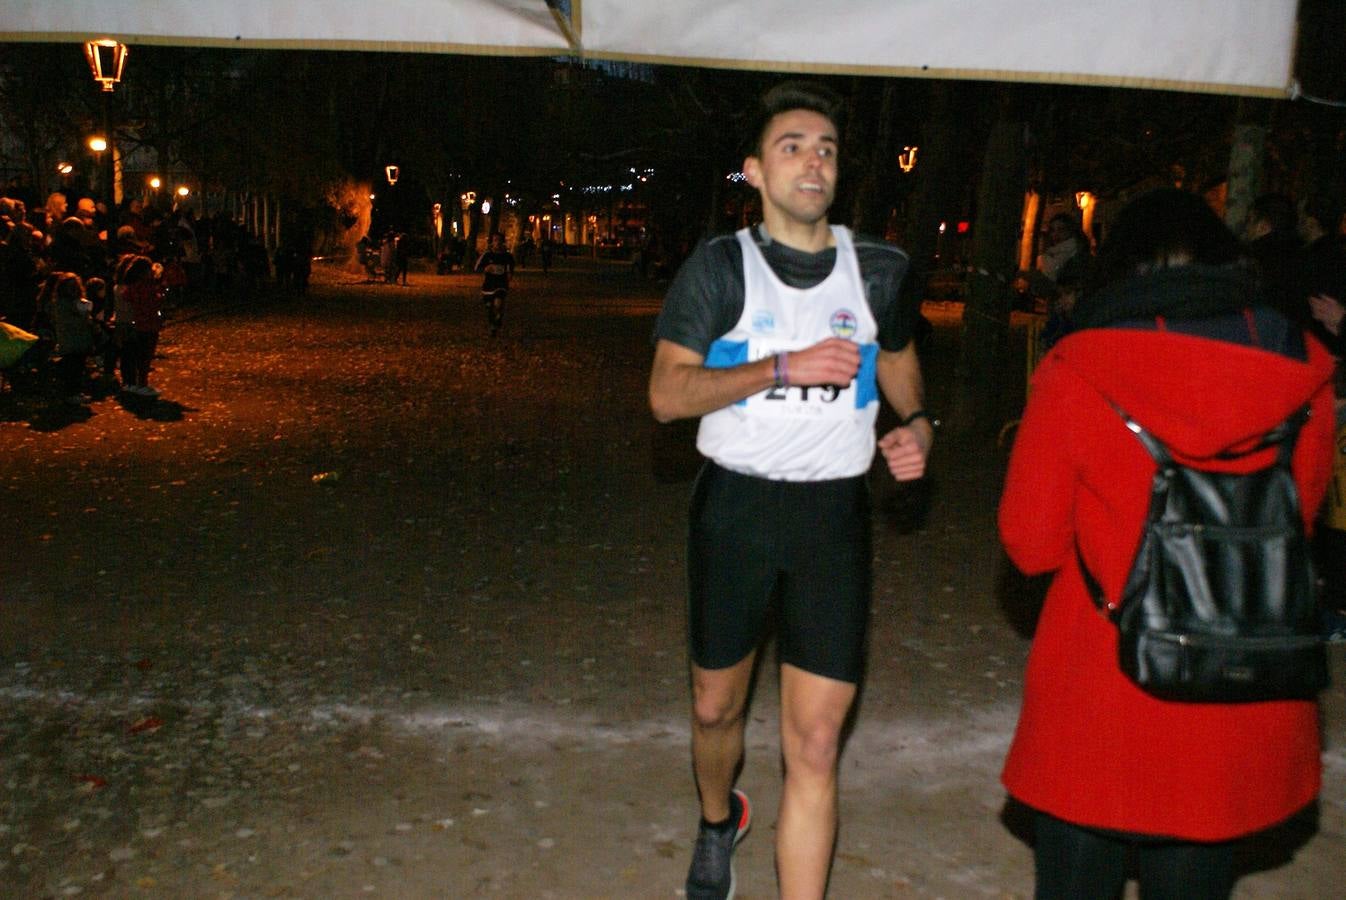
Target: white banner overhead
1228,46
1219,46
431,26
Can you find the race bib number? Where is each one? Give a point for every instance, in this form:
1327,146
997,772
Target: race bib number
820,401
804,402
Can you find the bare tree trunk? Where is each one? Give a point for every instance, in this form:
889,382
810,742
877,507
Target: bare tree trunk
934,173
873,198
470,242
981,371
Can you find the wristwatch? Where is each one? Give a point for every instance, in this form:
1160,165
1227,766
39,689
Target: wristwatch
919,414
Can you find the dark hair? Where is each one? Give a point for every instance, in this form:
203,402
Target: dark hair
788,96
136,270
62,285
69,285
1162,229
1277,210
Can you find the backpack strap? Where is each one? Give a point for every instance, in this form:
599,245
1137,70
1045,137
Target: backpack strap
1285,434
1162,458
1091,583
1288,434
1152,444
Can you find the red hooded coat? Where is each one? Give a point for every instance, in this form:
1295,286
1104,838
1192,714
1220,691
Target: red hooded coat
1091,748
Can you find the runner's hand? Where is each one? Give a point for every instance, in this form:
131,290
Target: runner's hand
833,361
906,448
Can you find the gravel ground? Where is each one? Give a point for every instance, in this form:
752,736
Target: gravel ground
368,603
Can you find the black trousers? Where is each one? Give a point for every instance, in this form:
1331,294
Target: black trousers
1075,863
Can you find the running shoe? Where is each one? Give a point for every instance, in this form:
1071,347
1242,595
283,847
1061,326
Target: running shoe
711,876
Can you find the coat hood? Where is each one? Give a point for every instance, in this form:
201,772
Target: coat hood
1198,395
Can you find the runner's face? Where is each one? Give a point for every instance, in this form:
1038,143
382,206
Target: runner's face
796,171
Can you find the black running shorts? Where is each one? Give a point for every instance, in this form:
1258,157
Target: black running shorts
798,550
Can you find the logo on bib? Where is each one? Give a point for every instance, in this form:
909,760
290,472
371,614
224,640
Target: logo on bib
843,323
763,321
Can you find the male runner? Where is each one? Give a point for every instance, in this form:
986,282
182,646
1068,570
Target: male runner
779,337
498,264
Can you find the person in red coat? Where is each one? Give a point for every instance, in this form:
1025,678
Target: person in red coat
1171,332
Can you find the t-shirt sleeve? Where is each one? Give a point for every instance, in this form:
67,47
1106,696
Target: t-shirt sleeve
883,267
704,300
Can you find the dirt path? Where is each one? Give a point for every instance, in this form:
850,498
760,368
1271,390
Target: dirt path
452,665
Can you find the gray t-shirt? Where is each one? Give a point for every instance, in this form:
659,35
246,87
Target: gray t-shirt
705,299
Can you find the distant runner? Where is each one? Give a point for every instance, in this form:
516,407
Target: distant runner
498,264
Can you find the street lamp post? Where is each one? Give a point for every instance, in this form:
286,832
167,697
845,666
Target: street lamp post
97,144
107,60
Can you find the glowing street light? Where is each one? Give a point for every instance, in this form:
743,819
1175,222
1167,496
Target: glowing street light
906,160
64,168
107,59
392,173
155,182
183,191
97,143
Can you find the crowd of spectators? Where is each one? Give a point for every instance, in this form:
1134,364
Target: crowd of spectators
47,242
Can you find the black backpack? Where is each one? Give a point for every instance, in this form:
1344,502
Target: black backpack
1219,606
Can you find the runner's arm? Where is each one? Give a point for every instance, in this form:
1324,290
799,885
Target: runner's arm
906,447
683,387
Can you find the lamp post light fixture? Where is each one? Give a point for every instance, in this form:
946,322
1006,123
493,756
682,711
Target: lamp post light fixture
64,168
906,160
107,59
183,191
155,182
392,173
